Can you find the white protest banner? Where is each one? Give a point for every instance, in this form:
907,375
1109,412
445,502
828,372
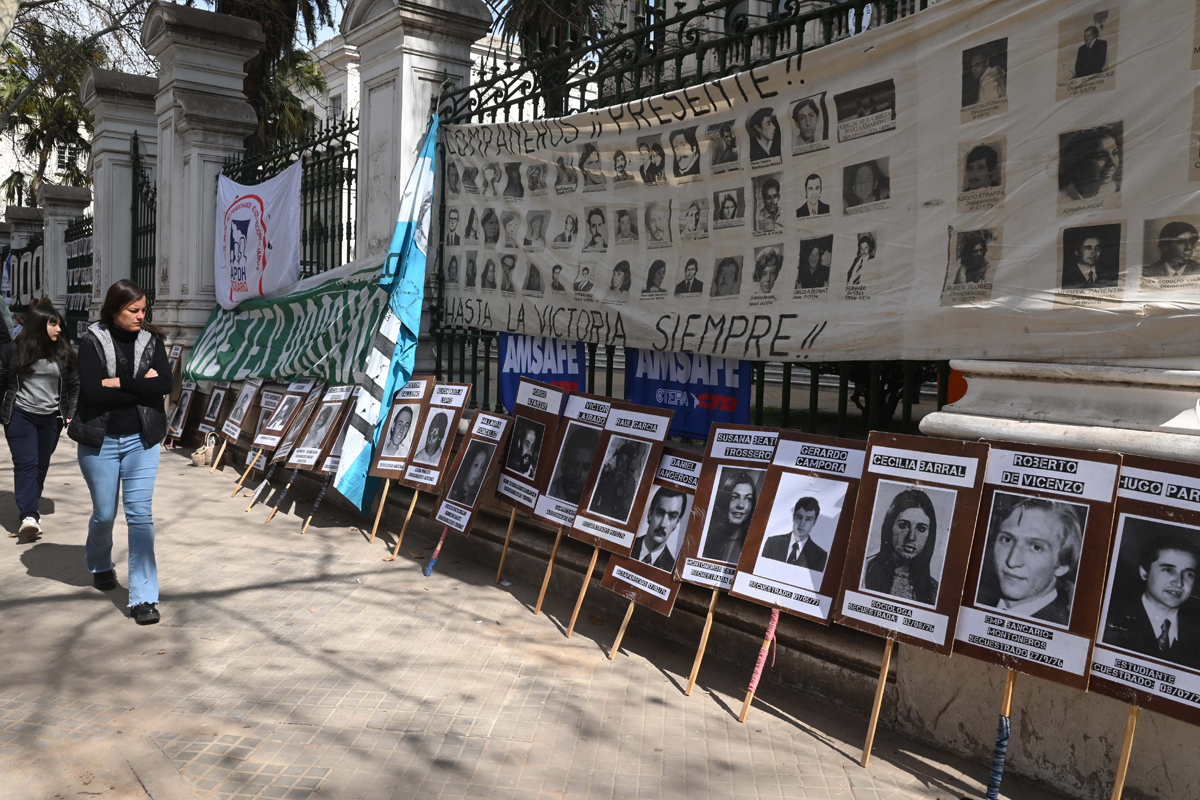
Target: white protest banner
258,236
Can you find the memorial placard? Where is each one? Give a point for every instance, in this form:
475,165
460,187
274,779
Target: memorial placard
432,446
911,538
298,424
527,463
1147,653
217,406
646,576
321,429
796,547
283,414
629,449
329,464
477,461
235,422
574,451
735,466
268,402
1034,582
182,409
396,443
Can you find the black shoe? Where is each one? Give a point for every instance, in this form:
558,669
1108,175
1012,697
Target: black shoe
145,614
105,581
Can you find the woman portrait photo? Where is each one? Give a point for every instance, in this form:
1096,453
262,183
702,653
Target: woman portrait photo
589,165
536,176
488,279
655,278
909,549
1090,167
654,162
533,281
469,281
622,279
569,232
729,515
729,208
491,180
452,270
535,229
491,227
469,174
866,183
471,232
565,179
464,489
768,261
727,277
511,223
763,128
513,187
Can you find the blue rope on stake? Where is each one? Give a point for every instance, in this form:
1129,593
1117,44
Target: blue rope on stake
436,552
998,755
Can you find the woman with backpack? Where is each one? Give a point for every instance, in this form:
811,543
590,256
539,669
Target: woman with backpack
41,386
120,423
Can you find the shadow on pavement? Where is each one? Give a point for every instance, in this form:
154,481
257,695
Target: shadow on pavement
66,563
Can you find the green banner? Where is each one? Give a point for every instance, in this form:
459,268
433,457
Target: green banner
322,328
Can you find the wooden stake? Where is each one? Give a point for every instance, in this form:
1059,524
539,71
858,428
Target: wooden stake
257,455
217,460
883,673
407,517
1010,683
437,551
758,666
282,496
712,606
512,518
616,645
387,483
1126,748
549,568
317,502
587,580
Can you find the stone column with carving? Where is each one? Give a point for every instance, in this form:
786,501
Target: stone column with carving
61,205
28,276
122,105
203,118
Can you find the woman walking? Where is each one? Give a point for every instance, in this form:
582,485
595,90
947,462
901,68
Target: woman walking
123,376
41,386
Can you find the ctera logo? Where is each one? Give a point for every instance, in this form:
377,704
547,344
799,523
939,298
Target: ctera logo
246,246
671,397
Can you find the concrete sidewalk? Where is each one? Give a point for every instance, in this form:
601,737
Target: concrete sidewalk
291,666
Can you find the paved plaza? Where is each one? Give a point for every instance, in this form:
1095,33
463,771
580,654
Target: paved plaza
291,666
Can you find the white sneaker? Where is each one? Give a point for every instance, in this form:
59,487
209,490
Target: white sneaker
29,527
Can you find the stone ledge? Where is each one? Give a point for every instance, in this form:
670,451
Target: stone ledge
108,84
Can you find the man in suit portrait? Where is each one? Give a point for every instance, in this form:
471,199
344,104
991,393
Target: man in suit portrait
813,207
690,284
1093,53
1176,244
452,237
584,284
662,521
797,547
1035,554
1155,623
1086,266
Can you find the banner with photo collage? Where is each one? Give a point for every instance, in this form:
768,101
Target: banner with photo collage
981,179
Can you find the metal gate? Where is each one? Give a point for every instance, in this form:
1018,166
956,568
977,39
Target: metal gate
78,241
143,212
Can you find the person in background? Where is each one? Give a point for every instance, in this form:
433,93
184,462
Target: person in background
41,386
123,376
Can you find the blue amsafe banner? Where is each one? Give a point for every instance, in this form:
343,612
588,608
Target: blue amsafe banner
700,389
554,361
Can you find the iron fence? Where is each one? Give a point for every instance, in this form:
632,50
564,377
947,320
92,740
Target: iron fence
328,189
649,48
78,240
143,213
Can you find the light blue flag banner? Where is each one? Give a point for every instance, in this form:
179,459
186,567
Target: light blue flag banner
393,352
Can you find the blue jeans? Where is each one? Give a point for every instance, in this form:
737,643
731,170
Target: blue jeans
31,440
123,461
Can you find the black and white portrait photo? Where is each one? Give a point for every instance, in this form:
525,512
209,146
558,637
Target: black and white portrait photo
453,239
762,130
866,110
693,219
471,231
470,177
464,488
535,176
800,530
620,281
1168,247
398,440
1090,168
816,258
689,282
566,179
508,265
434,438
866,245
620,475
723,147
626,223
1092,257
535,230
656,277
214,405
513,188
240,408
569,233
814,205
524,447
179,418
320,427
730,509
906,548
510,224
768,263
652,159
1031,562
664,523
729,207
283,412
975,254
471,270
985,80
574,462
726,277
621,166
810,124
1149,606
658,224
685,154
767,213
491,180
596,233
533,283
490,225
866,186
452,186
589,167
981,174
1087,53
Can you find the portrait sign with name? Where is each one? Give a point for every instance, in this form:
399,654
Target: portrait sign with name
216,406
174,356
396,442
333,458
235,422
646,576
628,452
283,414
796,547
182,409
475,464
576,447
298,424
911,538
527,463
322,428
433,445
735,468
1148,650
1034,583
268,402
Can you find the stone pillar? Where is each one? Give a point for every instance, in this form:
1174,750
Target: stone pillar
203,117
61,205
406,51
122,105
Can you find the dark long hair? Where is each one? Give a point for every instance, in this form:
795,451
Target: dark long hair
34,343
121,294
881,568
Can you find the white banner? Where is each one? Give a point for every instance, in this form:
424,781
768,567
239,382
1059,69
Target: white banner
1011,179
258,236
